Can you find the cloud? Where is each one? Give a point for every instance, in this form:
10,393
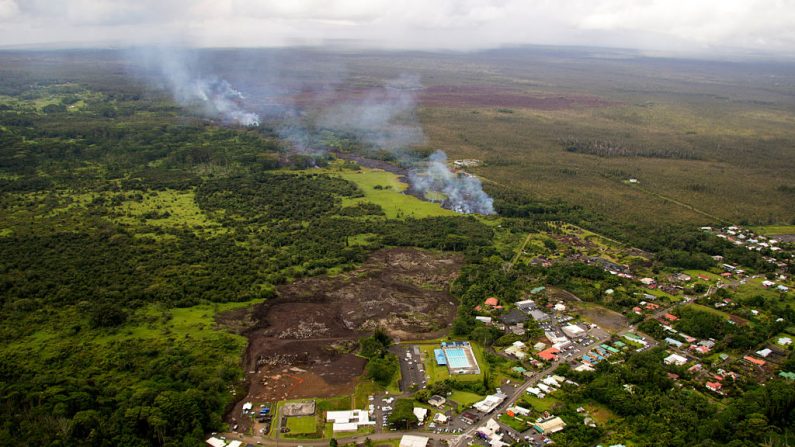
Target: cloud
678,25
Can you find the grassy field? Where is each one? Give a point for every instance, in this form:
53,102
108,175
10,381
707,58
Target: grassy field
516,423
389,195
708,309
754,288
301,425
774,230
364,389
545,404
167,208
465,399
151,322
600,413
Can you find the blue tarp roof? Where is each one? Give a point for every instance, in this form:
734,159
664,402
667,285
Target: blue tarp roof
440,358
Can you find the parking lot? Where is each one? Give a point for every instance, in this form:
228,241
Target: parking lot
412,371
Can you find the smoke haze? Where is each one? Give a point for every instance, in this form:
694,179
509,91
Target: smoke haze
205,94
380,116
463,192
386,117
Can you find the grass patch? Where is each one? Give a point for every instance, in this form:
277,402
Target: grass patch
774,230
386,190
708,309
541,405
516,423
365,389
465,399
600,413
302,425
167,209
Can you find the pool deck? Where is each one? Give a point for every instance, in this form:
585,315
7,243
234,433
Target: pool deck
462,361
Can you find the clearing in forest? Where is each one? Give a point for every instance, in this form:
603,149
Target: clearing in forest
304,343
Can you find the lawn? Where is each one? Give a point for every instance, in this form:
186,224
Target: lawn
541,405
465,399
364,389
694,274
517,424
753,288
301,425
333,404
328,431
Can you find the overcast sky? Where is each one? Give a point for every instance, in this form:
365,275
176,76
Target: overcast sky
684,26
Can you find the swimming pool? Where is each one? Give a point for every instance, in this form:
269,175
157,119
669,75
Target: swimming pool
457,358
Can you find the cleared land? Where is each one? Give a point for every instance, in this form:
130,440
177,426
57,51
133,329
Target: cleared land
387,190
303,343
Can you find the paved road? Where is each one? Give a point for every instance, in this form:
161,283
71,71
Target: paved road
256,440
461,439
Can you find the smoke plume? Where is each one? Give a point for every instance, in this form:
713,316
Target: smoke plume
463,192
215,97
207,95
385,117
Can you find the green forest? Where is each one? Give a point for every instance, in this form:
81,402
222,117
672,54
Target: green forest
127,224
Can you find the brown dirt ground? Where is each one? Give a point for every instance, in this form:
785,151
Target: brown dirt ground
302,343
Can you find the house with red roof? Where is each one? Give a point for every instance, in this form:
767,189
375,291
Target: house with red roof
550,354
754,360
700,349
714,386
670,317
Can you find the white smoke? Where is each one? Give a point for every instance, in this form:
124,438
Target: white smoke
463,192
385,117
216,98
209,95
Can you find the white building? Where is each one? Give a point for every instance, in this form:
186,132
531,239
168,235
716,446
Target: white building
555,338
421,413
215,442
551,425
549,380
519,410
491,402
675,359
349,420
517,349
491,432
573,331
764,352
536,392
413,441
